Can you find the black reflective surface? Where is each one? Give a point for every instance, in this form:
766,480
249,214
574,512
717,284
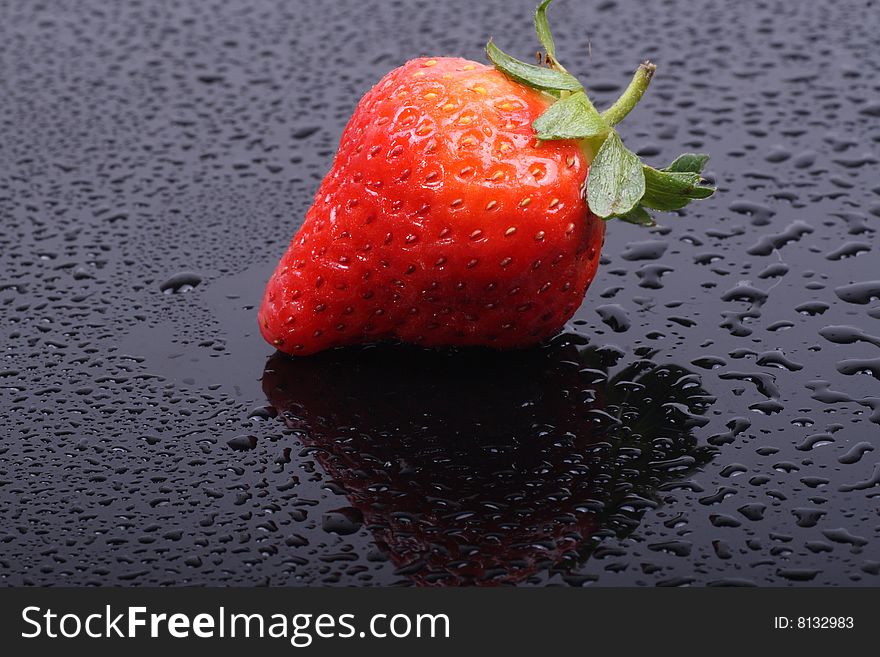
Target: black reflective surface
154,162
478,467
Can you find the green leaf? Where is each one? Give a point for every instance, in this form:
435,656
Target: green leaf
639,216
618,186
689,162
573,117
616,181
672,190
542,27
533,76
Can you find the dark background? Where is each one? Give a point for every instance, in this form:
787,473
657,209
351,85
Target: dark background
143,140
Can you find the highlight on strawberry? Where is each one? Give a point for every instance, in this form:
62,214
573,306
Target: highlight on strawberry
467,205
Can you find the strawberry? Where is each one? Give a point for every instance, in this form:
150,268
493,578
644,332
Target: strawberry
499,465
458,209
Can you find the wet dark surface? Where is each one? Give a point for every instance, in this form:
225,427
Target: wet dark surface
711,416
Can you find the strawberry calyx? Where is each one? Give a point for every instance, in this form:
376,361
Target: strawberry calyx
619,184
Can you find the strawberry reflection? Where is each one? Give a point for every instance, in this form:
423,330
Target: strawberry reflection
476,467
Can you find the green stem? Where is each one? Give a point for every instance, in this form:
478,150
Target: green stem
634,92
554,63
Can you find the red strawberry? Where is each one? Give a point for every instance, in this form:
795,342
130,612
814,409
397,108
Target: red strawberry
443,221
448,218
